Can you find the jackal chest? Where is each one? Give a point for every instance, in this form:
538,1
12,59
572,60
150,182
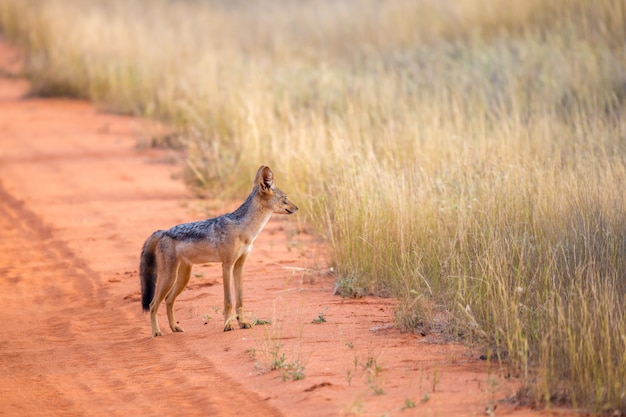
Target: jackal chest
245,245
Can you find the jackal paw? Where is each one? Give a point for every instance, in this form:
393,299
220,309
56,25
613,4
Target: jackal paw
177,329
228,327
157,333
244,325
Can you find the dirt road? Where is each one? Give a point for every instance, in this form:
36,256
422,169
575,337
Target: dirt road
74,195
77,199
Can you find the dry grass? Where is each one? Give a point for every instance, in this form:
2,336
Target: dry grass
468,155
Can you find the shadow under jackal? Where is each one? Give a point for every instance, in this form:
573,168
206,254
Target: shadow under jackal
170,254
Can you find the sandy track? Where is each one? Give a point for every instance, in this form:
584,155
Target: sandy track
77,200
64,351
70,345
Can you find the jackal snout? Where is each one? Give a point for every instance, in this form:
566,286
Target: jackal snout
279,202
286,207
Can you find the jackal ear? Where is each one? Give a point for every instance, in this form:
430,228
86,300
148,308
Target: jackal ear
264,179
268,180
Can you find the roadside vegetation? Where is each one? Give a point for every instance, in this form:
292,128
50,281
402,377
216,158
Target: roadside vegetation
465,156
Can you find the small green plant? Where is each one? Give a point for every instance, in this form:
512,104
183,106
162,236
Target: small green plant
278,360
425,397
321,317
272,356
288,370
347,287
371,364
292,371
408,403
206,318
373,369
260,322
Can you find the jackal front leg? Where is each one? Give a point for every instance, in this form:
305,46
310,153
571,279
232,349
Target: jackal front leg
227,274
238,275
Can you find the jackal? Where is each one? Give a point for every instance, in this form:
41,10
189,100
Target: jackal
170,254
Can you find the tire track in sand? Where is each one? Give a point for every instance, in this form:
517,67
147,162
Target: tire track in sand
59,348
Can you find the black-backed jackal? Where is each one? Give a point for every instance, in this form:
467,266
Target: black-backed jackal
168,255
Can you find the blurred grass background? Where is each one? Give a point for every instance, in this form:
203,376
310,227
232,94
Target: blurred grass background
465,156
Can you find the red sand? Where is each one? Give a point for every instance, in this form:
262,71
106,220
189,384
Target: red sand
77,200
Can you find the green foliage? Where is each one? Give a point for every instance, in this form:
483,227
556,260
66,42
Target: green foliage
321,317
408,403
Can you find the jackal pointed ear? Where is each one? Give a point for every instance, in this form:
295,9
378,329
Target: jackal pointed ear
264,179
267,181
259,176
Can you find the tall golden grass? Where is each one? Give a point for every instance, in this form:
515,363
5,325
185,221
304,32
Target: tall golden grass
468,156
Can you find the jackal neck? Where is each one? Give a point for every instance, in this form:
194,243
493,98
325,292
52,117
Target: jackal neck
252,214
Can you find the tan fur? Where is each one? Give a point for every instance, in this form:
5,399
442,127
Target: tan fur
169,255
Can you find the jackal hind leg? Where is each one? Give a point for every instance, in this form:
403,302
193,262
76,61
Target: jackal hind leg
238,276
181,279
165,282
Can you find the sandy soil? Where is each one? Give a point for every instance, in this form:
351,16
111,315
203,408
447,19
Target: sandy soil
77,199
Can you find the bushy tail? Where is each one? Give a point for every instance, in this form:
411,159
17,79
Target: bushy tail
148,270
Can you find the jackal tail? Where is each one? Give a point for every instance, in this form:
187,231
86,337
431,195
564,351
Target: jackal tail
148,269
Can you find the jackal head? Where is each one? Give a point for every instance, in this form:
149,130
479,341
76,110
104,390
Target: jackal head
272,196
